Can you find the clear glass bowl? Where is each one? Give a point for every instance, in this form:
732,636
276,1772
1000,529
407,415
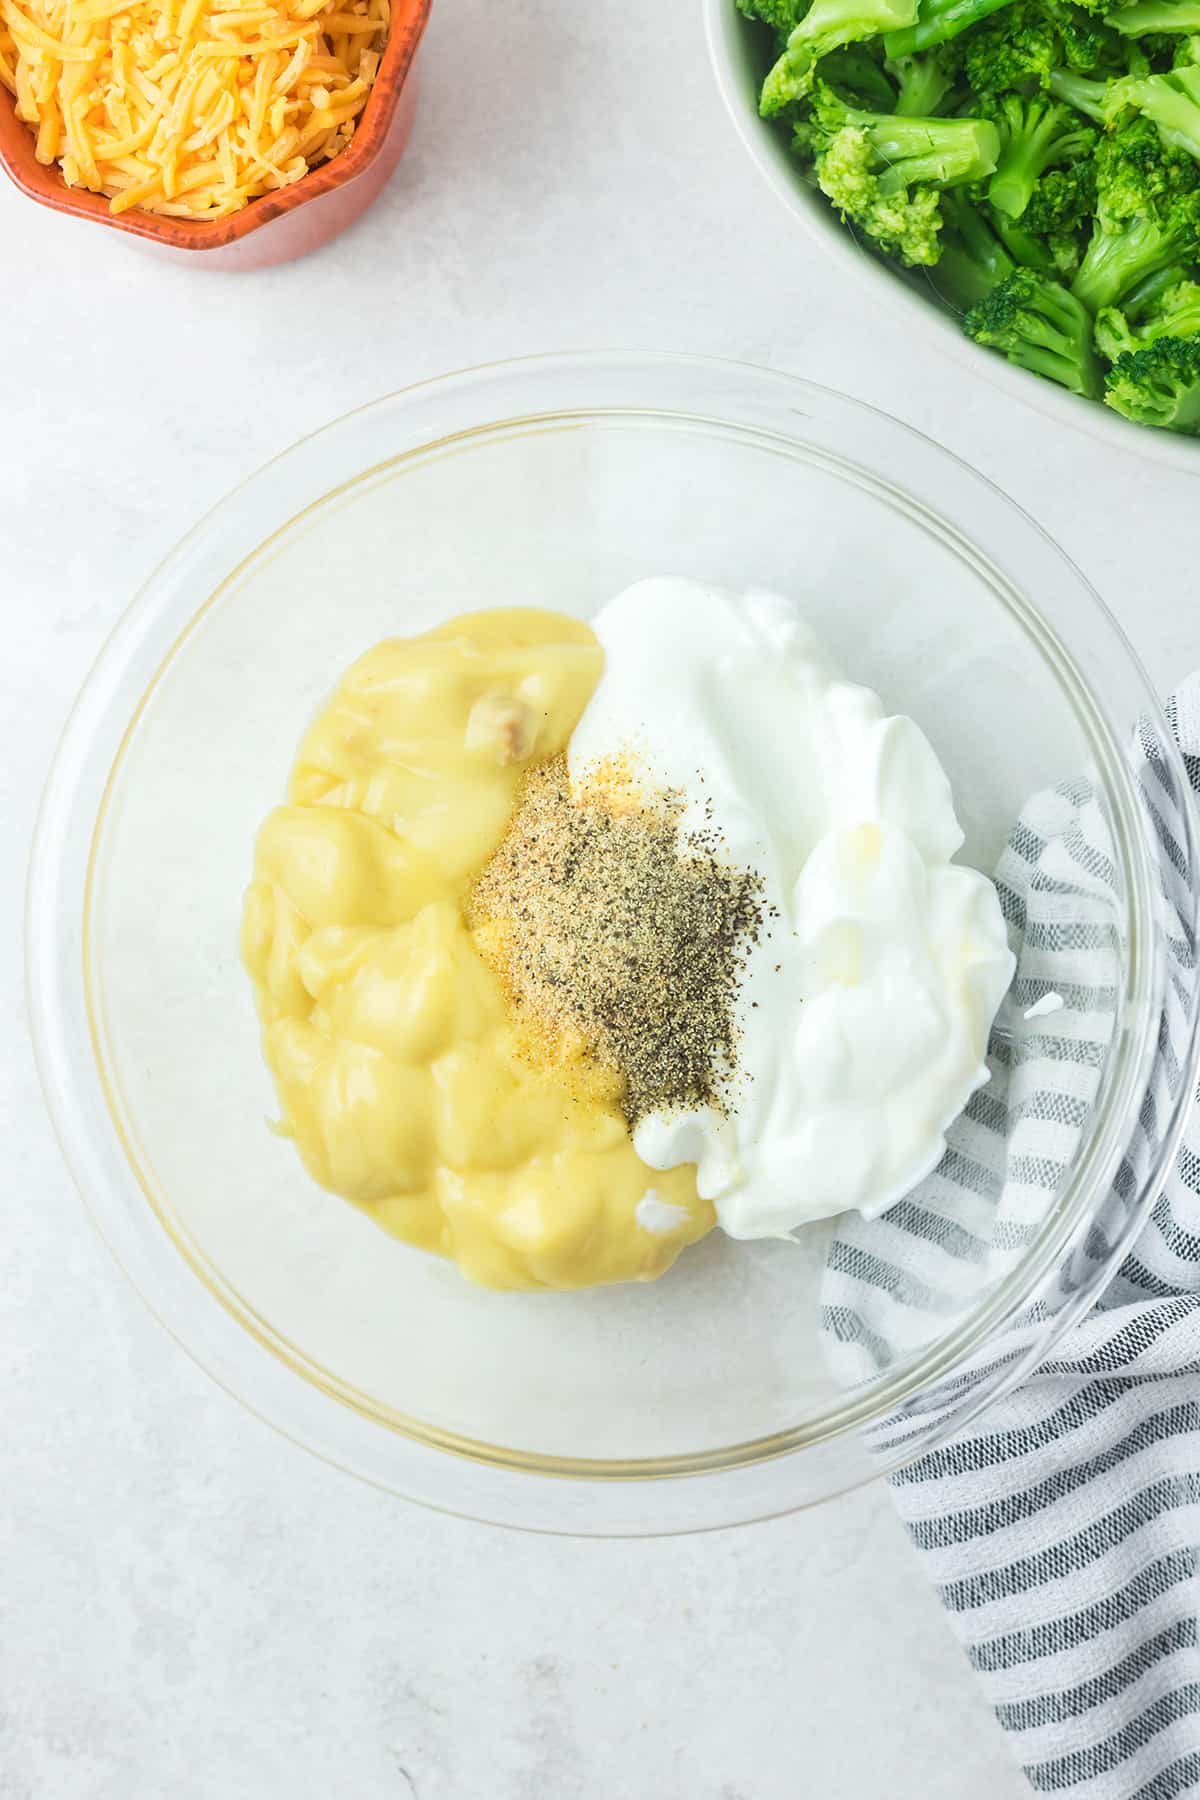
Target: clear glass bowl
715,1395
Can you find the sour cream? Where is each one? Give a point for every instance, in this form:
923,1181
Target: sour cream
864,1011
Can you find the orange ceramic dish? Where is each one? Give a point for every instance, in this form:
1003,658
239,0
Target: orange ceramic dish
275,227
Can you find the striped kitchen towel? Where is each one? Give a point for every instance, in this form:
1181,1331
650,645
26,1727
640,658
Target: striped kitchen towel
1062,1530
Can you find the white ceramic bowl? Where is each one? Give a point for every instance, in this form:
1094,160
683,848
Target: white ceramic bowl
736,48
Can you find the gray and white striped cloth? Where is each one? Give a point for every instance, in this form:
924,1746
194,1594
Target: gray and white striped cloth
1062,1530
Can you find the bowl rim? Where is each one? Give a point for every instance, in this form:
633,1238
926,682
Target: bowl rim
45,185
888,288
574,1482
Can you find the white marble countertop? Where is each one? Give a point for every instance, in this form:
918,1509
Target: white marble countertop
191,1606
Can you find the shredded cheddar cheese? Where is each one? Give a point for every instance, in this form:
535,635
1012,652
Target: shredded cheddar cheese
189,107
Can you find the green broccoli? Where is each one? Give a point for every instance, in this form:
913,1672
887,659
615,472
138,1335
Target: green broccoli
1041,327
1143,299
782,16
1040,159
1158,385
1172,101
1096,8
923,82
1177,314
943,152
1147,17
973,261
1020,47
1063,200
1133,167
1061,205
826,26
1091,98
1119,256
1089,44
1149,55
936,23
1017,48
1147,214
903,224
885,171
856,73
1024,246
1034,136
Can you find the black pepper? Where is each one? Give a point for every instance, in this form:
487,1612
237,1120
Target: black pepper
610,925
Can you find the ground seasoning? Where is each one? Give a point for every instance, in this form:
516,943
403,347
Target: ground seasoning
612,928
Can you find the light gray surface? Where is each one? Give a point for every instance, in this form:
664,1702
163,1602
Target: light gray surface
189,1605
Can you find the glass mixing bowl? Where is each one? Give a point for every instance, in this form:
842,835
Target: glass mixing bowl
717,1394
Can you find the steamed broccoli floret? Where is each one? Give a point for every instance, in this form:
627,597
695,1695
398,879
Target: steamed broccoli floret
1097,8
1091,98
923,82
906,225
1177,314
885,171
1063,200
943,152
1119,256
781,15
937,22
1049,234
973,261
826,26
1020,47
1150,17
1172,101
1147,214
1015,49
1149,294
1134,167
1089,44
1024,246
1040,158
1061,206
1040,327
1034,136
859,75
1158,385
1148,55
